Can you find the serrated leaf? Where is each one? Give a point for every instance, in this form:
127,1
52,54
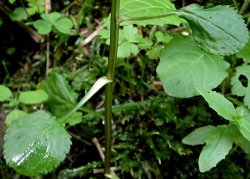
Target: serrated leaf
33,97
245,53
139,8
13,115
42,26
5,93
63,25
218,144
62,98
187,68
35,144
220,104
219,30
238,86
242,120
198,136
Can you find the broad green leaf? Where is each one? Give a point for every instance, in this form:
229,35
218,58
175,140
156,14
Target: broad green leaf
42,26
5,93
13,115
62,98
33,97
240,83
52,17
242,120
63,25
240,140
198,136
142,8
245,53
187,68
218,30
220,104
19,14
218,144
35,144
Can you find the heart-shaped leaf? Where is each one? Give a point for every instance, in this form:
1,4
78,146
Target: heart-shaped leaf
35,144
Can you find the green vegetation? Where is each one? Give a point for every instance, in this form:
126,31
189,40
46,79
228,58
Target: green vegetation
175,75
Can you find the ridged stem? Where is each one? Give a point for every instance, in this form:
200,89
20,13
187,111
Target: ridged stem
114,36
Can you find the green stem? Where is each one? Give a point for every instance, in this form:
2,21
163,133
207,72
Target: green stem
146,17
114,36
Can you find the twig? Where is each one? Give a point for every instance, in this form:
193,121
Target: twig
101,170
244,7
80,139
92,36
99,148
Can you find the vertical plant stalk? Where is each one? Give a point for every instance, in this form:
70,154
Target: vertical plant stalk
47,10
114,36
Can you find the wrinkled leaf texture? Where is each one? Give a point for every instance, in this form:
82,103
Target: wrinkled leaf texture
218,30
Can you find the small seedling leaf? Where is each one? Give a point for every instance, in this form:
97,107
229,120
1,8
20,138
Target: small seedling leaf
245,53
35,144
33,97
63,25
42,26
5,93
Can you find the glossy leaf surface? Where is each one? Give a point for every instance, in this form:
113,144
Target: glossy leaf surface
218,144
187,68
219,30
142,8
220,104
35,144
198,136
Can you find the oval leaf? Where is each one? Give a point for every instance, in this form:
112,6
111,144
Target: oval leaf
5,93
184,68
33,97
35,144
218,143
219,30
